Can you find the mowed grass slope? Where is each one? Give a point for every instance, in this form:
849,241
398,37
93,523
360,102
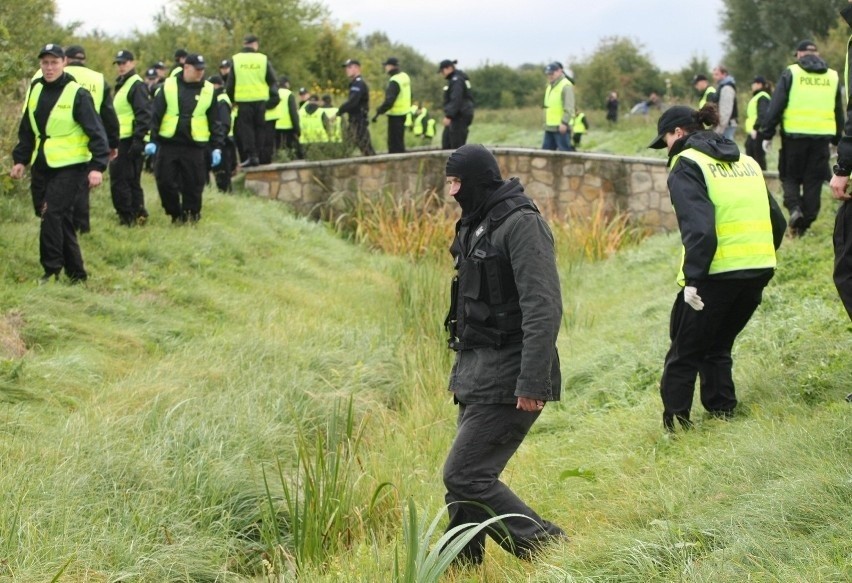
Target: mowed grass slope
150,420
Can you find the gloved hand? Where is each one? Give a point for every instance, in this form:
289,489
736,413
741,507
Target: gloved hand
767,145
753,134
691,297
136,148
216,157
375,118
150,149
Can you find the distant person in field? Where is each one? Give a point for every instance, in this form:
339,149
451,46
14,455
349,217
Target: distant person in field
726,101
579,126
706,92
612,107
558,109
756,111
730,227
458,105
397,105
503,329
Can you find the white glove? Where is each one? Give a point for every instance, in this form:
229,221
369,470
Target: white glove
691,297
767,145
753,134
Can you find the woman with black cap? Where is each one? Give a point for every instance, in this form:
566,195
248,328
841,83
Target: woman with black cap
756,111
505,312
730,227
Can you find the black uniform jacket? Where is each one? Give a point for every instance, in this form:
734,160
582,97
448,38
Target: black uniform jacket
84,113
357,105
844,147
696,214
458,102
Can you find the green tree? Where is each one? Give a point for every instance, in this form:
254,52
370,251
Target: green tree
762,35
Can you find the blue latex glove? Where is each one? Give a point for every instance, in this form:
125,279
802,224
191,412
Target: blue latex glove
150,149
216,157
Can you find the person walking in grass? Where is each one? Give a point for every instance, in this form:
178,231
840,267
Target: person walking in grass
505,312
730,227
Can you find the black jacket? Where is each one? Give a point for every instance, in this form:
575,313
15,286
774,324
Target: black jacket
223,109
458,102
140,102
84,113
844,146
529,368
781,95
357,105
187,98
696,216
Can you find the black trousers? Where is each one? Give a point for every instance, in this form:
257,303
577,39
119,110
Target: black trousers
396,134
54,193
754,148
222,173
287,139
249,127
455,135
181,173
358,134
701,343
488,436
268,143
843,255
125,184
805,167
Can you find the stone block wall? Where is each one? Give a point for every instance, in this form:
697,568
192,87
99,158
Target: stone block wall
561,183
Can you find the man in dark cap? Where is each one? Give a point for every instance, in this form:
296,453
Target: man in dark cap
287,127
503,329
225,68
397,105
808,105
180,59
458,105
222,173
253,87
62,137
185,123
357,106
558,109
756,110
132,104
96,84
707,93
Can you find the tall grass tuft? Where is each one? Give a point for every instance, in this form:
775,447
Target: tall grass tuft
597,235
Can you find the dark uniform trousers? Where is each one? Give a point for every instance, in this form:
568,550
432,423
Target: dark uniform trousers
249,128
803,169
181,173
287,139
455,135
396,134
55,193
358,134
223,172
754,148
843,255
702,343
268,143
125,178
488,436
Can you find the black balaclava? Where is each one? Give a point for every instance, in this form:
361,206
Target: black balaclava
479,173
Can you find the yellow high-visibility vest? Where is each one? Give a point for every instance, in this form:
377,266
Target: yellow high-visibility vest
741,206
65,142
123,109
224,97
751,109
402,105
553,106
312,128
249,72
579,124
199,128
705,97
284,121
90,80
810,103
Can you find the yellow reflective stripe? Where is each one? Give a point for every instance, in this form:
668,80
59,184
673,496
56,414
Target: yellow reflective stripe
740,227
745,250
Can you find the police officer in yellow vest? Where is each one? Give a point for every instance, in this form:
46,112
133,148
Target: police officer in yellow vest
706,91
251,84
96,83
730,227
756,111
335,122
288,128
579,126
558,109
807,104
134,118
313,121
184,124
62,137
222,172
397,105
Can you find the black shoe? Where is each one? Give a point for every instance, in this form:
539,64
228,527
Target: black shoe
44,279
796,223
250,162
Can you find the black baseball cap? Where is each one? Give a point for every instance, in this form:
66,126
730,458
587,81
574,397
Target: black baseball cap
123,56
759,79
806,45
250,38
151,73
159,65
352,62
225,63
196,61
180,53
303,91
216,79
53,50
75,52
392,61
678,116
553,67
446,63
698,78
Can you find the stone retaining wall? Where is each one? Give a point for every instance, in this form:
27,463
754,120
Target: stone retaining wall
559,182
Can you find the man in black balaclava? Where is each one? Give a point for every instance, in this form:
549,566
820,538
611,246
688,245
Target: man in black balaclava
505,312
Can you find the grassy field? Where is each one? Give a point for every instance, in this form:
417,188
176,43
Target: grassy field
256,398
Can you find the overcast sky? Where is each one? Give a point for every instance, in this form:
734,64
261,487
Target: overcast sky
479,31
